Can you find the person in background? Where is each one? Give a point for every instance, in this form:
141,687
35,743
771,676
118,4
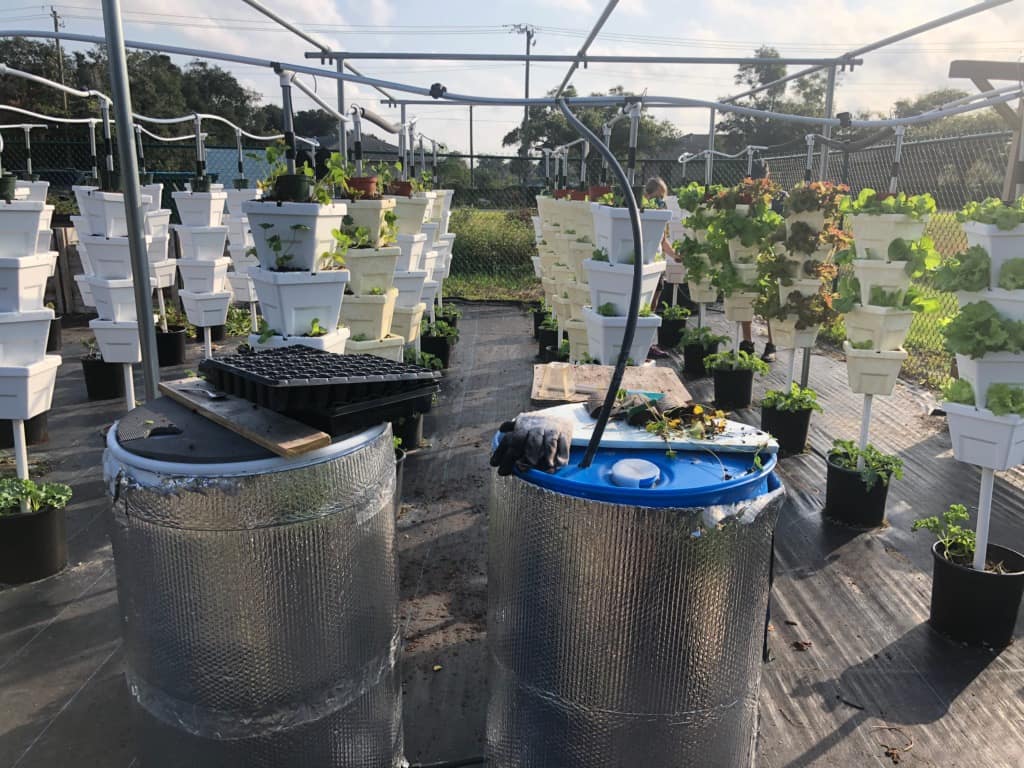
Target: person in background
657,190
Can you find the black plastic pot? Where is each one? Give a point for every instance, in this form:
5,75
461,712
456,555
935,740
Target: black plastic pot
399,475
32,546
170,346
200,183
733,388
240,183
538,317
977,607
409,431
103,380
145,178
8,182
54,339
36,431
788,427
693,358
849,502
438,346
110,180
547,344
293,188
669,332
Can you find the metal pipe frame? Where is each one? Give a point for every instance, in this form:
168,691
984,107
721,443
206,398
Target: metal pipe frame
586,59
586,45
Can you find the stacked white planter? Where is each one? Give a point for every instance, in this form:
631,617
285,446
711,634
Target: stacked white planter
785,334
240,244
27,373
313,289
202,236
410,276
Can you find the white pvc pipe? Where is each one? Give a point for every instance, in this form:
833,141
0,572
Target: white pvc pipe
988,478
20,449
163,309
865,426
253,323
792,366
207,343
129,387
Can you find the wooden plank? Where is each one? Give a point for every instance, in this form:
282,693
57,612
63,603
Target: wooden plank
273,431
593,379
989,70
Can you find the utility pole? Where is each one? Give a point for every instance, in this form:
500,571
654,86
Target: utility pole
57,24
529,30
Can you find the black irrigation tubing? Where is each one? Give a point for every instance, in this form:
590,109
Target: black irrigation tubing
634,298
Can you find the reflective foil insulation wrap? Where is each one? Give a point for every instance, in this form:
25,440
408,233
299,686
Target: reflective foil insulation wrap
623,635
260,611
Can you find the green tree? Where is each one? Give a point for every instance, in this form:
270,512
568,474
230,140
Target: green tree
979,121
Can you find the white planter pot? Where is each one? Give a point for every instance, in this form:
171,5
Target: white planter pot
431,196
885,275
410,248
786,335
449,242
703,292
20,222
200,209
201,243
390,348
34,190
410,289
1009,304
993,368
412,213
114,299
156,248
155,193
872,372
242,287
814,219
82,281
119,342
290,301
579,296
579,253
675,272
371,269
614,232
23,336
163,274
537,233
535,260
245,265
369,316
746,273
579,342
742,254
981,438
873,234
430,289
431,230
429,261
206,309
445,196
561,245
611,283
885,327
306,244
406,322
156,223
739,308
203,276
104,211
27,390
604,336
240,234
805,287
1000,244
238,196
370,214
110,257
45,236
335,341
23,282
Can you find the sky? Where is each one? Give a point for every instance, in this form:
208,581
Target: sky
638,27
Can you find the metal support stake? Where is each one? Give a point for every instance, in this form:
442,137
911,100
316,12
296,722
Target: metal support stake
163,309
253,321
805,367
140,149
241,155
92,150
472,175
547,167
197,126
865,428
357,141
809,138
709,159
108,145
402,146
792,365
634,136
288,119
433,160
119,88
750,161
988,478
423,157
28,151
342,132
894,179
584,152
129,387
207,343
607,133
826,129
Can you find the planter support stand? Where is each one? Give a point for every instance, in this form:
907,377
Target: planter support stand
865,426
163,309
20,456
988,477
792,365
129,387
805,366
253,322
207,343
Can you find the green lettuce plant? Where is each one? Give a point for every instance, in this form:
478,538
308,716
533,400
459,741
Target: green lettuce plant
979,329
701,335
967,271
992,210
673,313
877,466
919,255
797,398
871,203
736,361
1005,399
959,391
14,491
1011,274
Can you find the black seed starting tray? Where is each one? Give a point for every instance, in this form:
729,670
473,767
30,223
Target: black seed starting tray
335,393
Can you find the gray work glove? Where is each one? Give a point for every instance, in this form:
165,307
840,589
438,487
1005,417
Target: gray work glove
533,441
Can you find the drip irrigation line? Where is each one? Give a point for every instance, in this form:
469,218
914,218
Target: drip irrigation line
634,298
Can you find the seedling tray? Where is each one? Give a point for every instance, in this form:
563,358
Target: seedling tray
336,393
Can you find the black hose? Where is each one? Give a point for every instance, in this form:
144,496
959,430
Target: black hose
634,298
451,763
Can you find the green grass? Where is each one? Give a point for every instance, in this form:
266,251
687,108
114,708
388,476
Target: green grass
490,287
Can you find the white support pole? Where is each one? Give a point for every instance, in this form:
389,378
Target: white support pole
129,387
988,478
700,314
865,427
792,365
207,343
163,309
20,449
253,322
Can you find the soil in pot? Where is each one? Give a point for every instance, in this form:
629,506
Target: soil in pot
977,607
103,380
733,388
36,431
362,187
849,502
55,339
693,358
669,332
547,344
170,346
201,184
32,546
409,431
788,427
438,346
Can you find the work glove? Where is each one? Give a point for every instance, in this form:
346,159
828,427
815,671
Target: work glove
533,441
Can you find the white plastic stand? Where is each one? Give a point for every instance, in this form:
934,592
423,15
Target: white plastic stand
207,343
865,427
792,365
988,477
700,315
129,387
253,322
163,309
20,455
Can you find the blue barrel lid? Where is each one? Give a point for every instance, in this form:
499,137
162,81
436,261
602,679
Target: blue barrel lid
651,478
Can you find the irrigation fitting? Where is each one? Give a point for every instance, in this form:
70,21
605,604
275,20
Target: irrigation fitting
437,91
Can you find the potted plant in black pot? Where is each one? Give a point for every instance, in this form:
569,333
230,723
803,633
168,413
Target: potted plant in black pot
450,314
733,373
103,380
437,339
538,311
696,344
33,544
968,605
170,343
547,339
55,339
786,415
673,323
857,484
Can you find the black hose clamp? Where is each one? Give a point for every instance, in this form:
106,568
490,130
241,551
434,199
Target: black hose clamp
437,91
